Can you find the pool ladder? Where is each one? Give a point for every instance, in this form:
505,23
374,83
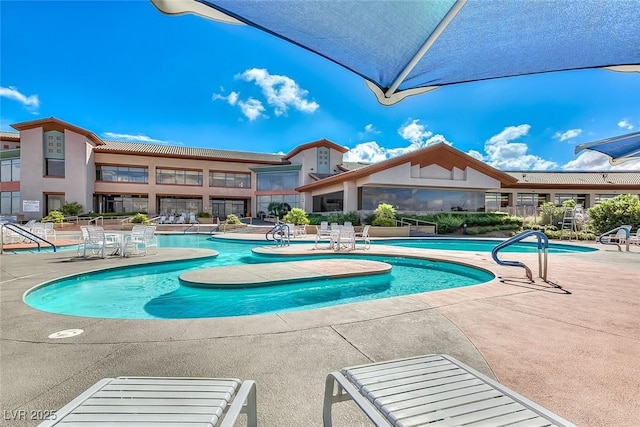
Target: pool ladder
543,250
280,234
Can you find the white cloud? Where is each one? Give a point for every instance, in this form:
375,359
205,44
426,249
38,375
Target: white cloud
232,98
371,129
135,138
31,102
571,133
625,124
414,132
281,92
503,154
252,109
593,160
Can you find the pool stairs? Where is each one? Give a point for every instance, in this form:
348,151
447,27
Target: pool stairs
543,250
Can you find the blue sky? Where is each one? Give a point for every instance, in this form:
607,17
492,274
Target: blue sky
127,72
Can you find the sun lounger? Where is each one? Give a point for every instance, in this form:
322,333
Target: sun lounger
161,401
433,390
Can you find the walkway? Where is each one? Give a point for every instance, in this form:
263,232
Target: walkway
572,347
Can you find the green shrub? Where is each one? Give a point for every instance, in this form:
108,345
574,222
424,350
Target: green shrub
550,214
72,209
140,218
296,216
385,216
612,213
54,216
449,223
233,219
203,215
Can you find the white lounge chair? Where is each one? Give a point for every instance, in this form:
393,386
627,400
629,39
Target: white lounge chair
134,241
434,389
161,401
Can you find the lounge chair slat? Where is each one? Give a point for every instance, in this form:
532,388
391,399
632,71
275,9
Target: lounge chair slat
523,416
148,409
449,408
169,387
420,397
132,424
160,393
169,400
158,418
428,380
426,387
397,373
178,380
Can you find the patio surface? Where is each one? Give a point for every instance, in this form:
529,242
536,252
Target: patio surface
571,345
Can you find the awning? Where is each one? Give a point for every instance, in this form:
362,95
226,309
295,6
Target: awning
620,148
403,48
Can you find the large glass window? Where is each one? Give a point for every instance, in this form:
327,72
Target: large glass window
122,174
230,179
495,201
54,167
179,205
220,208
267,203
275,181
422,200
561,198
10,202
117,203
10,170
54,202
329,202
178,177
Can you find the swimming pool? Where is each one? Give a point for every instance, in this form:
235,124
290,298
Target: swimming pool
154,292
481,245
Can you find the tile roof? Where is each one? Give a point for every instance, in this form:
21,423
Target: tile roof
188,152
349,166
10,135
577,178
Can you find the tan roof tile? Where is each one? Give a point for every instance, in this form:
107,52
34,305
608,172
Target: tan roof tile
577,178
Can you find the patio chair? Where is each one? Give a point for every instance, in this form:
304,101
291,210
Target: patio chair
135,240
82,240
345,239
98,243
364,236
434,388
634,239
150,239
166,401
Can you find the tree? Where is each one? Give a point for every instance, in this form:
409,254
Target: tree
385,215
72,209
612,213
296,216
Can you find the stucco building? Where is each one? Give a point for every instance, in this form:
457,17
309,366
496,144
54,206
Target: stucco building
49,162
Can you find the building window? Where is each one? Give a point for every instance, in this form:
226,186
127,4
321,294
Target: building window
122,174
10,170
229,179
179,205
282,202
55,168
10,202
54,202
329,202
495,201
578,198
178,177
124,203
276,181
323,160
422,200
220,208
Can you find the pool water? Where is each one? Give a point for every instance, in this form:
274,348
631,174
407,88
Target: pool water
154,292
481,245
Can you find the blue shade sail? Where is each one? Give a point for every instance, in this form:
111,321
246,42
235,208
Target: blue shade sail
620,148
407,47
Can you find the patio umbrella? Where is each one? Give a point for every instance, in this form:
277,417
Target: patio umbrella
620,148
407,47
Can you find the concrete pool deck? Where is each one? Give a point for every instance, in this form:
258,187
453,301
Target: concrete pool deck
571,345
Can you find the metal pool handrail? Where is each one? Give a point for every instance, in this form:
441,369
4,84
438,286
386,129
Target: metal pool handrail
24,233
611,235
543,244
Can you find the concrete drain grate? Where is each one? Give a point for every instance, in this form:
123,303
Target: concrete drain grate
67,333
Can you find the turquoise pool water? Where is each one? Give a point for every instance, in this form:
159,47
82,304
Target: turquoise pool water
154,291
481,245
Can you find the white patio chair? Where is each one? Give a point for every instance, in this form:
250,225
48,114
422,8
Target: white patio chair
82,240
433,388
322,232
166,401
150,239
135,240
364,236
98,243
49,231
346,239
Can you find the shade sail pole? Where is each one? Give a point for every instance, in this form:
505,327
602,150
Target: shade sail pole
446,20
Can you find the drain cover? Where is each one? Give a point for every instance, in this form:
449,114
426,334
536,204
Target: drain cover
67,333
